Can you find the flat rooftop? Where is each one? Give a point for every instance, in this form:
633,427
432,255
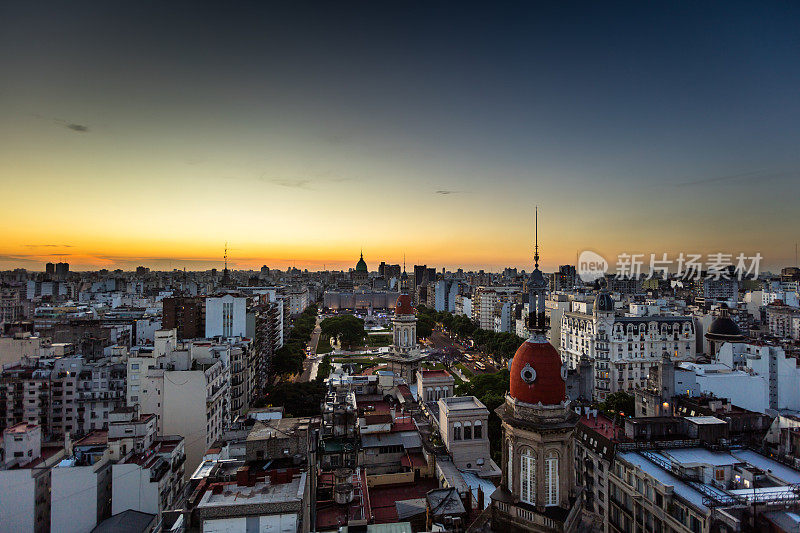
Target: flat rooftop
430,374
704,420
260,493
22,427
458,403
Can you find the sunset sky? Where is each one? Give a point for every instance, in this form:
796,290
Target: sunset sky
152,133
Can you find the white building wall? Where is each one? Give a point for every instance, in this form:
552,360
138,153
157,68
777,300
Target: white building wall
215,319
17,496
146,330
73,507
743,390
184,413
131,489
270,523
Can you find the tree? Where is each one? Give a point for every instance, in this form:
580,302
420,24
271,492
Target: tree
424,327
620,403
297,399
288,359
348,329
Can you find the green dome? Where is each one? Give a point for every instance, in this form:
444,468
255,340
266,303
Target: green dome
361,266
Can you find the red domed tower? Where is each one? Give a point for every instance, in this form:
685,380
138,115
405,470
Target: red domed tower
538,489
537,375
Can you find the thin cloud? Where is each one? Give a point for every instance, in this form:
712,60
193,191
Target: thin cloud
742,176
445,192
80,128
48,246
74,126
292,183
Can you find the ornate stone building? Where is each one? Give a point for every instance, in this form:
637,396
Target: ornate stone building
538,491
405,357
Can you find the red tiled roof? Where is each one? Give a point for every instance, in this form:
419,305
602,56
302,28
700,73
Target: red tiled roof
95,438
435,374
384,497
403,424
604,426
416,459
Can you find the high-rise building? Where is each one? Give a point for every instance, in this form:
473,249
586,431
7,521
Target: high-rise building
420,274
62,269
226,316
50,269
186,314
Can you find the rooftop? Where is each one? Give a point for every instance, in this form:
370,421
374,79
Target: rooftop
426,374
262,492
22,427
704,420
604,426
97,437
458,403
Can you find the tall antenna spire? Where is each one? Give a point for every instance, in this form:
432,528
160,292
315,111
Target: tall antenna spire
536,239
404,261
225,255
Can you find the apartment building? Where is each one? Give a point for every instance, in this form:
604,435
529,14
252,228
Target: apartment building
186,314
484,304
25,480
190,397
622,348
152,480
297,299
64,396
783,321
226,316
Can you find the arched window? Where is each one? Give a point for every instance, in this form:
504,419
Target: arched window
551,478
477,430
467,431
405,337
457,431
429,392
510,467
527,480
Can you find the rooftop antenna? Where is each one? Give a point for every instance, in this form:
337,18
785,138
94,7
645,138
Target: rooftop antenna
225,255
536,239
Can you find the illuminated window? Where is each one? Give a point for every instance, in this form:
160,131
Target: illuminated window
551,479
527,489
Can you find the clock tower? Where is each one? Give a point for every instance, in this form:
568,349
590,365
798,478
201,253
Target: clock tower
538,491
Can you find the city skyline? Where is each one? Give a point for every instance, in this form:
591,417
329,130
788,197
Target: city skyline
300,135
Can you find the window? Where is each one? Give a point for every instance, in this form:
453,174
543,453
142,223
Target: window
457,431
527,489
510,467
551,478
467,431
477,430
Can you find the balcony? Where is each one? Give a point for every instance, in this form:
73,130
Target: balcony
158,470
178,462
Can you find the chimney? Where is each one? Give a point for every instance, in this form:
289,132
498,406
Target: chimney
480,499
67,444
243,476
